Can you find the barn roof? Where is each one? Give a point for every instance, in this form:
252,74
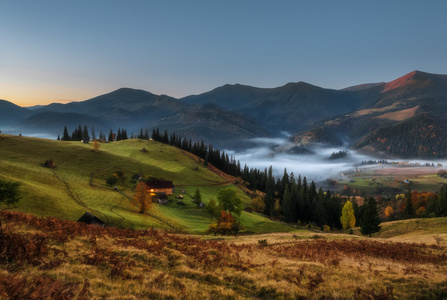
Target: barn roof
160,184
88,218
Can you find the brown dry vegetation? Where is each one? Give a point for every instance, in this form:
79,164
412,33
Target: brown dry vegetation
50,258
399,115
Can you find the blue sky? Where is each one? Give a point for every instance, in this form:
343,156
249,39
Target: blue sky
59,51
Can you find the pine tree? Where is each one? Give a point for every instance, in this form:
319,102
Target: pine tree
409,209
111,136
289,205
79,133
146,134
65,136
370,221
85,136
356,209
93,134
441,203
197,198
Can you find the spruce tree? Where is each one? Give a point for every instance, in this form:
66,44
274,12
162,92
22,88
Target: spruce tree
197,198
111,136
93,134
441,203
409,208
65,136
288,206
370,221
85,136
79,133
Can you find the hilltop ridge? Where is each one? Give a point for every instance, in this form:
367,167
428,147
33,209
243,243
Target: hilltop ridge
230,115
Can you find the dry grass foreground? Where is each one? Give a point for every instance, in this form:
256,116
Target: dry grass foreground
46,258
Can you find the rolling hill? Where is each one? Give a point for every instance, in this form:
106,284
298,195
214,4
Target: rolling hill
77,183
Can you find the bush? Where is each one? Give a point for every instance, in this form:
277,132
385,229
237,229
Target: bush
262,243
111,180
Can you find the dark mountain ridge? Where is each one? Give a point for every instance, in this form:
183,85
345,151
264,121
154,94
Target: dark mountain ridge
230,115
289,107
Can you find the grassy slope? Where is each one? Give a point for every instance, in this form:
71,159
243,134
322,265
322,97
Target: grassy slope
77,184
427,231
113,263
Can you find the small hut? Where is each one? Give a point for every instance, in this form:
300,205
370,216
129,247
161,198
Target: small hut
88,218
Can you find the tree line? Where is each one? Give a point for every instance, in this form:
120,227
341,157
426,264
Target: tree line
82,134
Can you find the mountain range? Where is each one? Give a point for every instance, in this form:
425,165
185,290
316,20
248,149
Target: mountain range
406,117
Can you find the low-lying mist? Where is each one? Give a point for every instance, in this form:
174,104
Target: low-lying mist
314,164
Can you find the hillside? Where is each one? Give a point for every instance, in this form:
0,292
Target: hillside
407,118
78,183
50,258
11,114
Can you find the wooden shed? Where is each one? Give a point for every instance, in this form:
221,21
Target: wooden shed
88,218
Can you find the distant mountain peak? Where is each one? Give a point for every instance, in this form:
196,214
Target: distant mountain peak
415,78
400,82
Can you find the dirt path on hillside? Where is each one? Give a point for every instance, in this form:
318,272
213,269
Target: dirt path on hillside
74,196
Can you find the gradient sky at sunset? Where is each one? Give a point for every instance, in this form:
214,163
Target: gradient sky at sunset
59,51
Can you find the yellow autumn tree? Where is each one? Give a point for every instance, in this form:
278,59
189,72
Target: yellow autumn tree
96,145
142,198
389,211
347,218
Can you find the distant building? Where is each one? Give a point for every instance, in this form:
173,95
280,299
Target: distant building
88,218
160,187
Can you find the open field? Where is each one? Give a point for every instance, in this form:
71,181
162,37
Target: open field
78,183
49,258
389,179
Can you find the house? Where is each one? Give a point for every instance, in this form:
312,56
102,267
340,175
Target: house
160,187
88,218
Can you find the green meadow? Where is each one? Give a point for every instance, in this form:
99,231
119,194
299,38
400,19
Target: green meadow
77,183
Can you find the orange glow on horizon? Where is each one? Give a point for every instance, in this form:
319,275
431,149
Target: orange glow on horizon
25,98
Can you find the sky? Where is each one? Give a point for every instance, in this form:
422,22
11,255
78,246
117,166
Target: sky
62,51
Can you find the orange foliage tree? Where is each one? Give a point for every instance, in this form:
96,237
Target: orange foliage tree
226,224
420,201
142,198
389,211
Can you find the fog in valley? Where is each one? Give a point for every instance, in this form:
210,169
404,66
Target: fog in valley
315,165
313,162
